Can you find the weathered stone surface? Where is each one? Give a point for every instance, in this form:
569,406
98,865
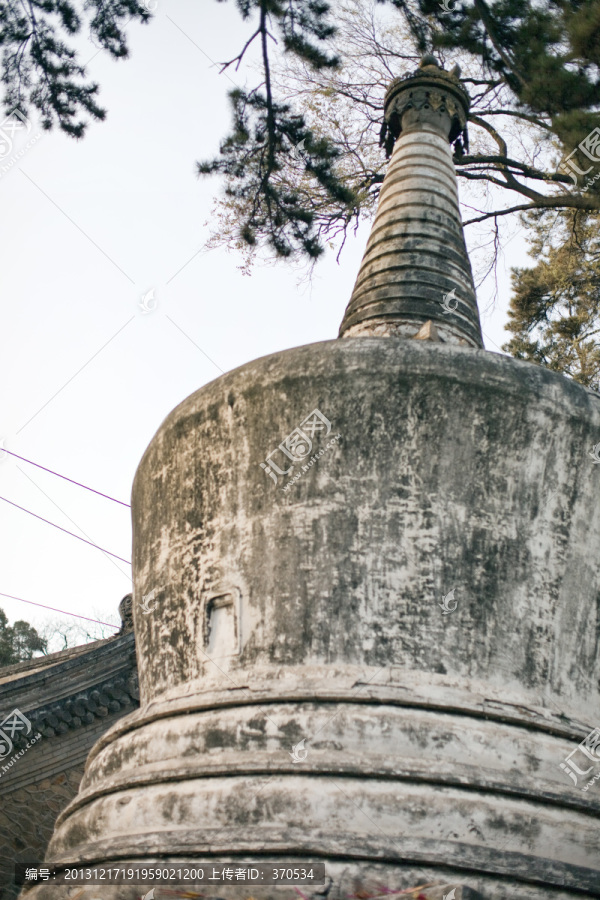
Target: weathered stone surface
366,601
434,740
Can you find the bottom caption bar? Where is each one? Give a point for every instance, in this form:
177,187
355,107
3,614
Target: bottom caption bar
179,873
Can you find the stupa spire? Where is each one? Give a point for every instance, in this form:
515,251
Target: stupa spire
416,269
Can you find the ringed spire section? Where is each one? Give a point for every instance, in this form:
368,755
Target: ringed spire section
416,269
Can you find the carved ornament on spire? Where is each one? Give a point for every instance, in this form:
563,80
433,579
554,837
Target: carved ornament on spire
433,95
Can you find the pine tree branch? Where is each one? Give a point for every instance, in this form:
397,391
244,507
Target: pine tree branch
237,59
268,91
510,179
503,162
490,27
519,115
575,202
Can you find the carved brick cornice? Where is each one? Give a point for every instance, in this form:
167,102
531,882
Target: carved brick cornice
83,708
98,682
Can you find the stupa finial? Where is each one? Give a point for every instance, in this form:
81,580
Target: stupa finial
415,268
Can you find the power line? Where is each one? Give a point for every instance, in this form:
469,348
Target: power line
91,359
60,509
47,521
78,483
54,609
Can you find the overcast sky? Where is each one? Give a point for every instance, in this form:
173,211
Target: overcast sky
90,227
